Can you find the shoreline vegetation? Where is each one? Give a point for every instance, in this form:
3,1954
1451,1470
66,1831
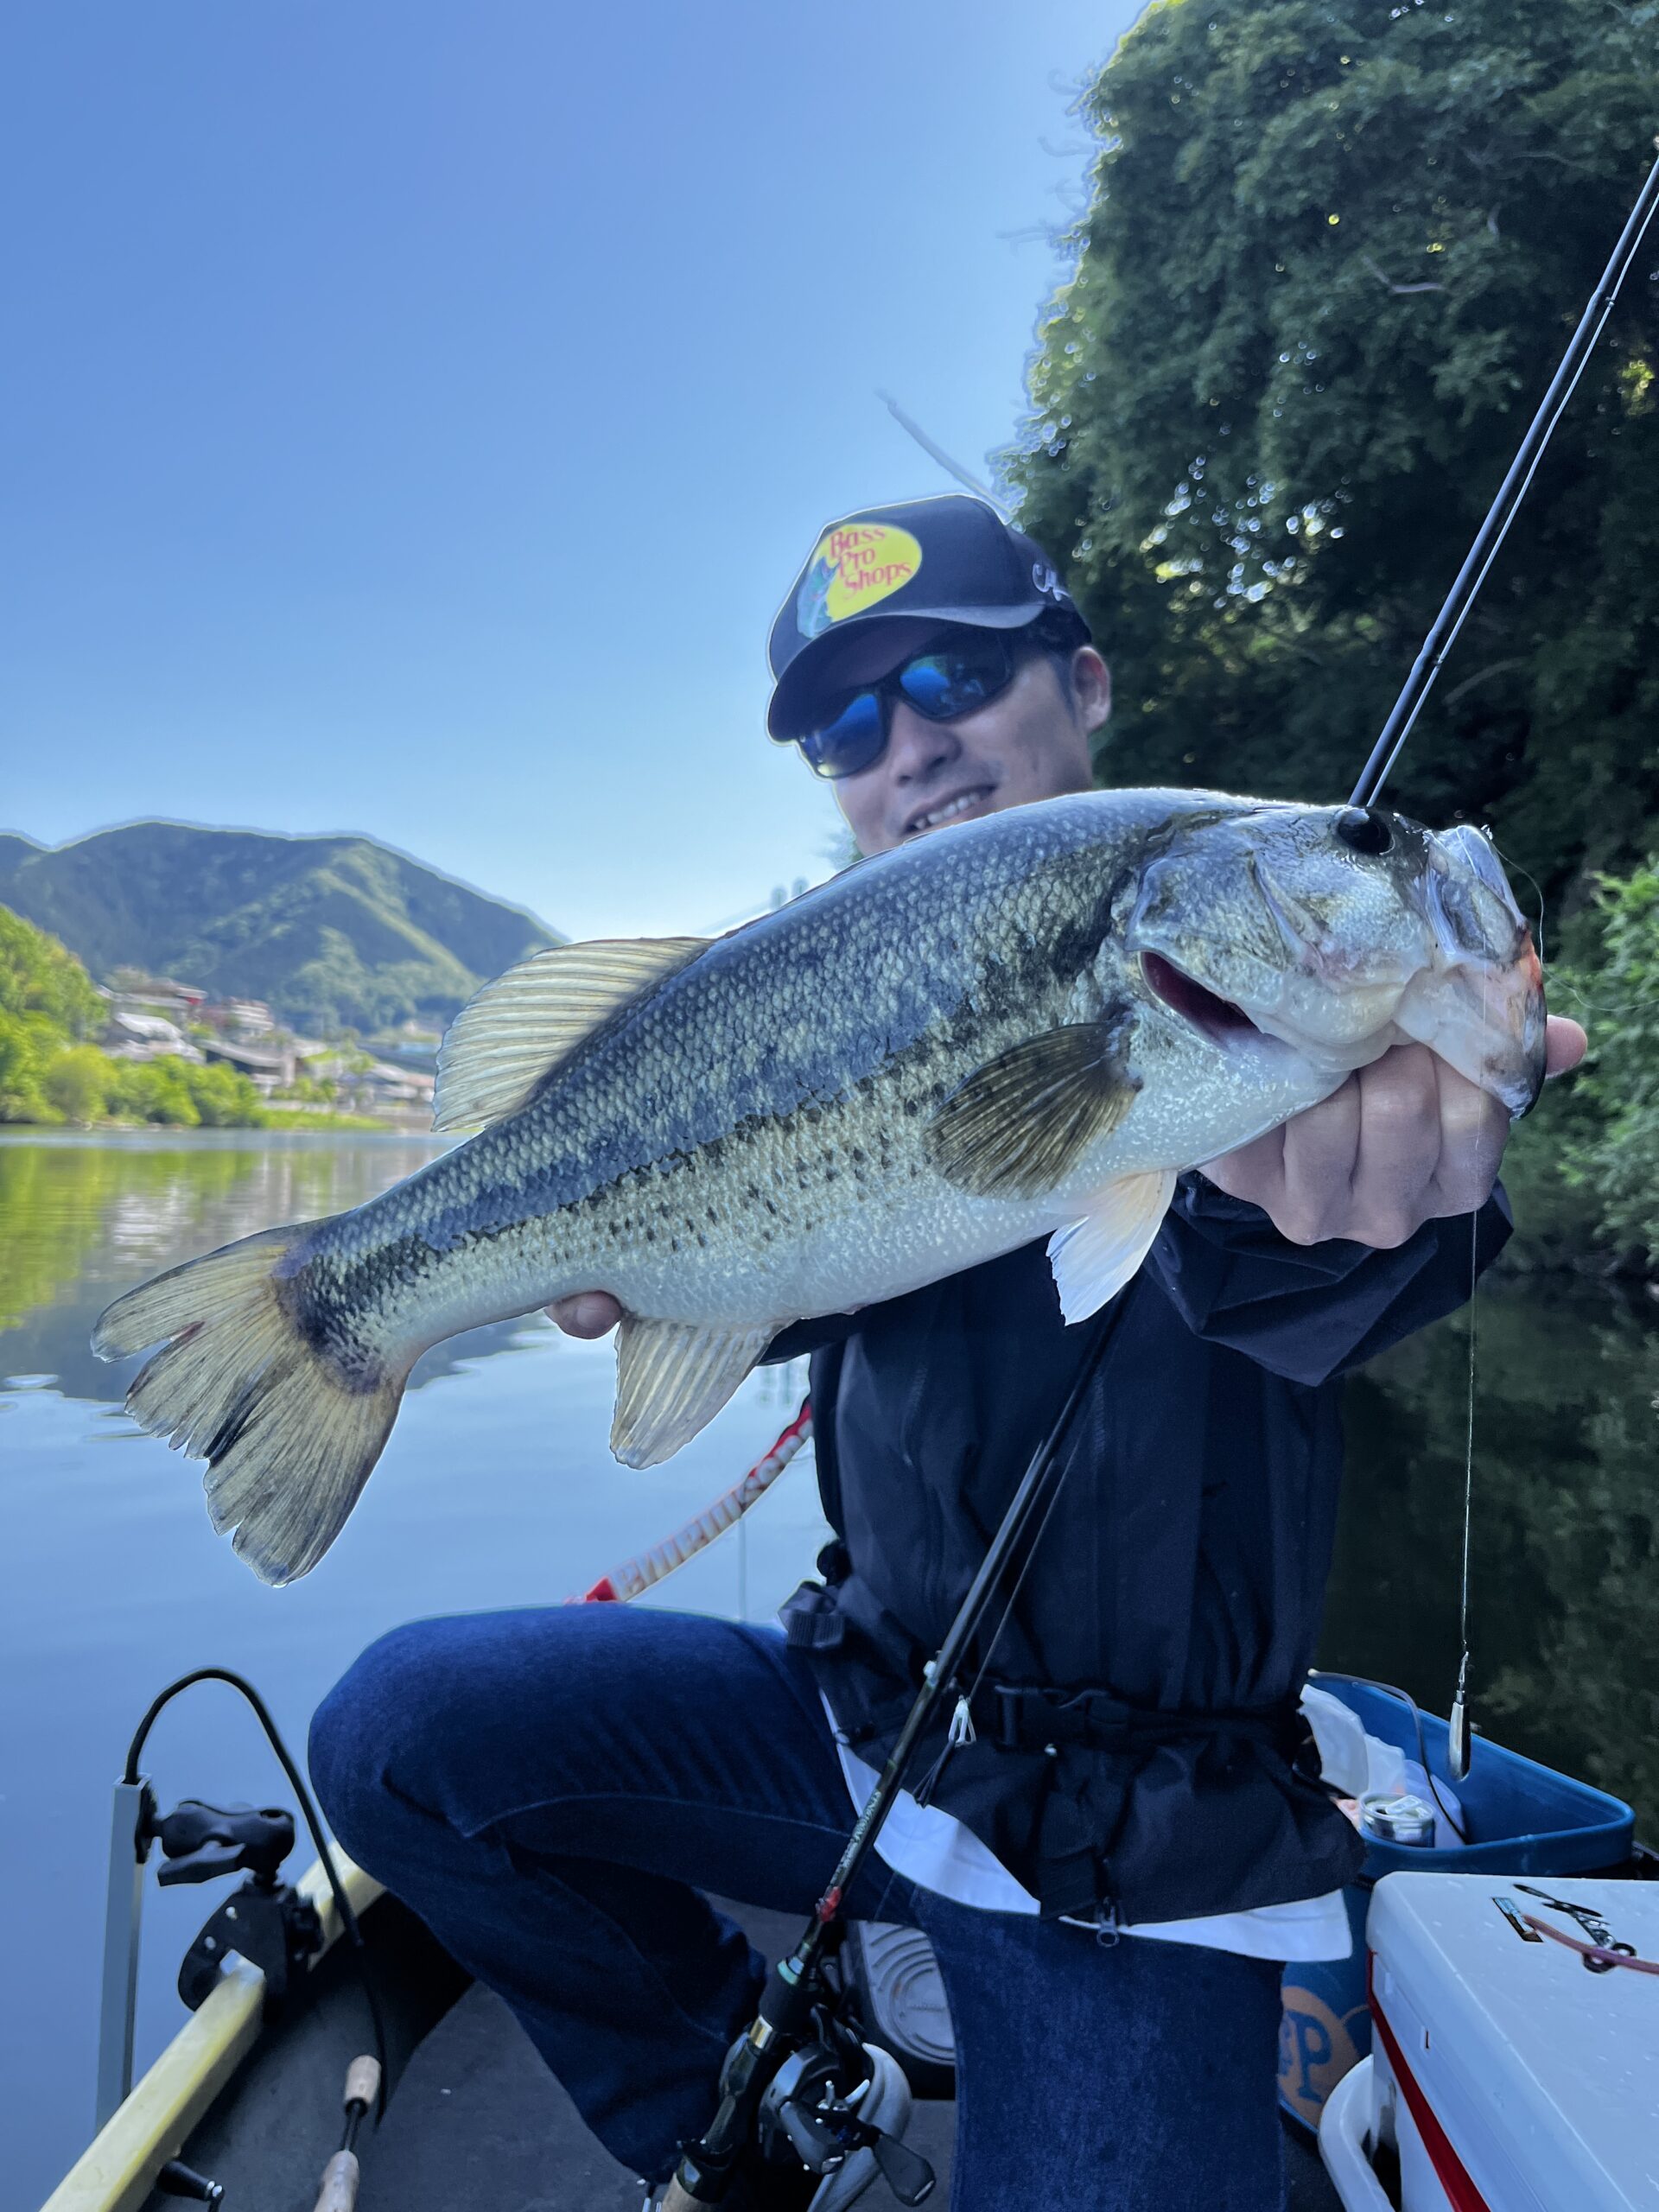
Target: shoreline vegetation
54,1075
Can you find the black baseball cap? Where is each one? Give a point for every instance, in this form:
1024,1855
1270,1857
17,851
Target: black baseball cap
950,559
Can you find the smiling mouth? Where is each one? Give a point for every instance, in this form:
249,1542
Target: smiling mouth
1218,1019
947,810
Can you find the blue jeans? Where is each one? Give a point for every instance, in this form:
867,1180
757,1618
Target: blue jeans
553,1790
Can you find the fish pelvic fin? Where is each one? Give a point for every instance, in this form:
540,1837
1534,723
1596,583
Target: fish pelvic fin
1019,1124
671,1379
1093,1258
503,1044
289,1439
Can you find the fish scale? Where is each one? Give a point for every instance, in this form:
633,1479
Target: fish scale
1018,1026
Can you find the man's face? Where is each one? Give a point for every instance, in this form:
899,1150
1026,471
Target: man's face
1029,742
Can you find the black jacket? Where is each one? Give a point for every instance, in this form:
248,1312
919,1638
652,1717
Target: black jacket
1135,1721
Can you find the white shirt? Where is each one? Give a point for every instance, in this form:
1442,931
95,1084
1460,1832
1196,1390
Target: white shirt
934,1850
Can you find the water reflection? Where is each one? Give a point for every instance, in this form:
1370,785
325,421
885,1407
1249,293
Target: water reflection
83,1218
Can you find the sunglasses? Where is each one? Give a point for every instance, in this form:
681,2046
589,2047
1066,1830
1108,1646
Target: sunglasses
952,680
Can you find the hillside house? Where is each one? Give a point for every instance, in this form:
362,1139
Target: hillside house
268,1066
133,1035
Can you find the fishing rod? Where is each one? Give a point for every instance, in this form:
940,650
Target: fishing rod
793,1988
1489,539
1409,705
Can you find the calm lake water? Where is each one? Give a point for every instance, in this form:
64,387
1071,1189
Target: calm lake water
498,1489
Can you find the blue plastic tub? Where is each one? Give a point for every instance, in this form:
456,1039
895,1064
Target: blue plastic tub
1521,1818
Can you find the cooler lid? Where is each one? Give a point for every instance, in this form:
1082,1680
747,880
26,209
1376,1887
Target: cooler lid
1544,2075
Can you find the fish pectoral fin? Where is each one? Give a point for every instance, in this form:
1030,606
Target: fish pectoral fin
503,1044
671,1379
1018,1125
1093,1258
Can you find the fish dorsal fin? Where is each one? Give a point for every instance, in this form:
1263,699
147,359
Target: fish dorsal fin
503,1044
671,1379
1018,1125
1093,1258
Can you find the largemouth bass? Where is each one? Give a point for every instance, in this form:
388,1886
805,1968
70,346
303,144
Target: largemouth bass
1020,1027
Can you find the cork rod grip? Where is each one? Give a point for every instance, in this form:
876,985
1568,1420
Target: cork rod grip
674,2199
362,2081
339,2190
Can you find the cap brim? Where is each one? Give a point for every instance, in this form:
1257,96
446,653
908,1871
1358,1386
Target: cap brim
812,675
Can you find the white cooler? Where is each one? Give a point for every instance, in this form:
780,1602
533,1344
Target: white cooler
1510,2077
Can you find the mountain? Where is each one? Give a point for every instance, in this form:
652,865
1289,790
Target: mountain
331,933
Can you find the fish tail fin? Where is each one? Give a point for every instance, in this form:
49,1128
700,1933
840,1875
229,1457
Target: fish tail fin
289,1439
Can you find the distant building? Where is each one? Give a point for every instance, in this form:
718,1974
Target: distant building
383,1085
239,1017
157,993
135,1036
271,1067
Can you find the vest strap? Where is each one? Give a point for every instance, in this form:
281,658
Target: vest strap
1017,1717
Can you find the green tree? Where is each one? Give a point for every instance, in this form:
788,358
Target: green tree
38,977
1616,1157
1334,252
76,1083
27,1042
154,1091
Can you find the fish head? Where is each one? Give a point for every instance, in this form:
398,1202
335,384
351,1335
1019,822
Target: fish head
1339,932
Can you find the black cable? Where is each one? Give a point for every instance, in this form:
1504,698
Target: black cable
325,1855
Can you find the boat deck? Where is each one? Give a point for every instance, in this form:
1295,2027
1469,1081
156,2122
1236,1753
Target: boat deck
477,2118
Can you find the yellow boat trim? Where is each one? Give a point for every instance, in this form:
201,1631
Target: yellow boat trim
117,2171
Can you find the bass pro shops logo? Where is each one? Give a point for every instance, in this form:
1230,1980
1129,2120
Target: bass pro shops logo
851,567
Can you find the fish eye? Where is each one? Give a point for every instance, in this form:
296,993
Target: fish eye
1365,830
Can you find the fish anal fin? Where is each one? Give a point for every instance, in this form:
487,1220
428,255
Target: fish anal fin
673,1377
1093,1258
1018,1126
504,1043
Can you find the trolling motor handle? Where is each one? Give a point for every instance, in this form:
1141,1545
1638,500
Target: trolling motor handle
199,1842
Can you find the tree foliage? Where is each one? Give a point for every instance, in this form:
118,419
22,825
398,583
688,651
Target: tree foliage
1616,1155
1334,252
47,1005
39,980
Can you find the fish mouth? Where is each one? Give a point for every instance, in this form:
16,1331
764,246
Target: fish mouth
1217,1018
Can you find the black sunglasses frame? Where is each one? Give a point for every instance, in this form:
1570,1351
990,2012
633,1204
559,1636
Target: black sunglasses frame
1004,649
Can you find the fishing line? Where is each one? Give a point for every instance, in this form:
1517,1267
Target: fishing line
1456,1740
938,453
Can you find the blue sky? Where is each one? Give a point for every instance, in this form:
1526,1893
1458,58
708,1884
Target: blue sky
415,413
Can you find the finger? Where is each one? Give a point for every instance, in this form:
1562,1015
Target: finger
1400,1144
1564,1044
586,1313
1321,1153
1474,1127
1254,1172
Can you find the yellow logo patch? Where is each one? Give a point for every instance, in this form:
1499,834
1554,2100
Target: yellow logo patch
851,567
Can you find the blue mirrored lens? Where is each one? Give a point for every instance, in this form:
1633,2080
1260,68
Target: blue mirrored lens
943,685
940,686
852,742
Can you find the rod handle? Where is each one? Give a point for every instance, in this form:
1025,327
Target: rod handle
674,2199
362,2081
339,2190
